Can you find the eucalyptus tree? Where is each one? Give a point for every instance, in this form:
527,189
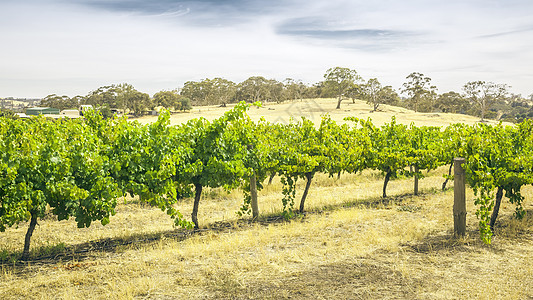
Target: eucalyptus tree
484,94
167,99
389,96
370,92
275,90
254,89
139,102
198,92
452,102
375,94
122,96
124,93
103,96
59,102
210,91
420,91
223,91
294,89
340,81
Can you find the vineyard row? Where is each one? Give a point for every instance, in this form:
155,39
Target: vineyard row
80,167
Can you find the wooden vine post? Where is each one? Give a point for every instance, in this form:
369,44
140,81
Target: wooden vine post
416,181
459,204
253,195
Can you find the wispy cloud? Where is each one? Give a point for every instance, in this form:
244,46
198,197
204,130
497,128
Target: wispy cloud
528,29
205,13
312,29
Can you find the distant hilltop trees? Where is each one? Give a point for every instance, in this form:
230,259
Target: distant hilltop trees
478,98
17,104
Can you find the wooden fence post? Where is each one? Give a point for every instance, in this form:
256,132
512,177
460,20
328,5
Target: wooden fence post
459,203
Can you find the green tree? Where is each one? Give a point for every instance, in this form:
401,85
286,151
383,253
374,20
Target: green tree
254,89
420,92
294,89
452,102
217,91
389,96
223,91
103,96
167,99
138,102
59,102
185,103
197,92
484,94
375,94
275,90
370,92
120,96
340,81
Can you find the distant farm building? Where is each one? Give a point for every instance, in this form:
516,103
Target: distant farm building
70,113
84,108
35,111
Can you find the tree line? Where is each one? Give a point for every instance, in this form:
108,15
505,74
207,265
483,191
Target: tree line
478,98
78,168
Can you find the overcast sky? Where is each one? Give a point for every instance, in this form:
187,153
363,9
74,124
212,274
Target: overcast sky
73,47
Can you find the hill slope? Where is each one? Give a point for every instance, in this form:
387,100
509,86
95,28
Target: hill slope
313,109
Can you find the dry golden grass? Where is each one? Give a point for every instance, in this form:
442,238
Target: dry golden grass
313,109
349,245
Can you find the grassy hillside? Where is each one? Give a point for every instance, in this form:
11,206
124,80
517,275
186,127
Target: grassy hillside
350,244
314,108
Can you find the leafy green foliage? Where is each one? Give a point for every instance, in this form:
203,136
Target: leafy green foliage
340,82
498,157
217,155
78,168
55,164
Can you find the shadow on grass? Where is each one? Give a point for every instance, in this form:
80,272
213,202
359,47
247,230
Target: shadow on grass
508,230
51,254
380,202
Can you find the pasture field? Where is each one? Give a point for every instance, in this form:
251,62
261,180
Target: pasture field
313,109
350,244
